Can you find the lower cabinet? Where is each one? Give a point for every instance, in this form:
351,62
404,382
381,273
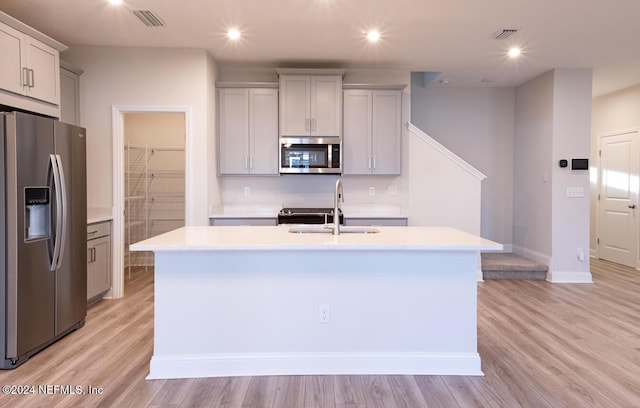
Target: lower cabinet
98,260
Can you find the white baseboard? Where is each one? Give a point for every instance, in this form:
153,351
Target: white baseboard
233,365
569,277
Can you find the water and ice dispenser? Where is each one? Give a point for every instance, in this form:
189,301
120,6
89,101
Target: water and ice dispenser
37,210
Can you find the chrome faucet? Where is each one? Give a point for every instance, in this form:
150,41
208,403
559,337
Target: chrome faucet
338,197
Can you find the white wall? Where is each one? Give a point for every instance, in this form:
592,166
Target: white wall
477,124
553,118
618,111
150,77
155,129
571,139
532,167
435,200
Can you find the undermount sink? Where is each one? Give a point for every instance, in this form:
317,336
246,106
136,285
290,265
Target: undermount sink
327,229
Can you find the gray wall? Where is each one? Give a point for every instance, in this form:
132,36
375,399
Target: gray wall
476,124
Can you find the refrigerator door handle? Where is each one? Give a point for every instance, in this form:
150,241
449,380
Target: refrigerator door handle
56,186
65,212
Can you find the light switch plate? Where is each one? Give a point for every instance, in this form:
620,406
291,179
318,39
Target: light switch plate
575,192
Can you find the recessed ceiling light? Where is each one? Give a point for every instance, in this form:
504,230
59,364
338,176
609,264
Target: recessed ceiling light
514,52
373,35
233,34
115,2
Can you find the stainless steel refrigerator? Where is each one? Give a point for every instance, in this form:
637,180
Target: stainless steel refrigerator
43,226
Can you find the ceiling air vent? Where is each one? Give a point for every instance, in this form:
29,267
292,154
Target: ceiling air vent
149,18
504,33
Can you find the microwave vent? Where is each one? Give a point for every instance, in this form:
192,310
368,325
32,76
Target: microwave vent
149,18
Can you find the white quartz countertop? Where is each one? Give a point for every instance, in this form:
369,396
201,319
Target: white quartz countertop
279,238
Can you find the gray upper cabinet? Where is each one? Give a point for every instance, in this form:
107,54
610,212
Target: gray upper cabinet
310,105
372,132
29,67
248,134
70,94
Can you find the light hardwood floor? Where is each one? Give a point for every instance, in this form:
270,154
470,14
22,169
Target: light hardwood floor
541,344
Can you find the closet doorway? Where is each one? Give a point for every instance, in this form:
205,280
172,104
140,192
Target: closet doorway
153,180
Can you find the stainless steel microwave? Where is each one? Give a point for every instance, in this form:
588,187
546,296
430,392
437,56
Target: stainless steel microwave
310,155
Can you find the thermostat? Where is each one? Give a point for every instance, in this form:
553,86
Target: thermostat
579,164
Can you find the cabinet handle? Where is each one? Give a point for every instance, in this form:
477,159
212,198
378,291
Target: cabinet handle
32,79
251,163
374,163
25,76
369,163
90,254
313,124
246,162
306,124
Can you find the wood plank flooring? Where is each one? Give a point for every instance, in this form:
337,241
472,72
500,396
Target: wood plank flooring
541,344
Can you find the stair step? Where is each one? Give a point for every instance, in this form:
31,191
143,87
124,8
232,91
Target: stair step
511,266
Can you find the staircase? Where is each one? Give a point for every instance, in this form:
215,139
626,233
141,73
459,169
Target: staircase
511,266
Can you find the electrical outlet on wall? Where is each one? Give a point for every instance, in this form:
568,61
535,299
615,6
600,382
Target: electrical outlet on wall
247,190
323,314
372,191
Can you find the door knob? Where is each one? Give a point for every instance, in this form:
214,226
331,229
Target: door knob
632,206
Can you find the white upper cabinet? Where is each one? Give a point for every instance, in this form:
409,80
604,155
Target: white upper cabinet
11,63
372,132
29,68
248,141
311,105
43,67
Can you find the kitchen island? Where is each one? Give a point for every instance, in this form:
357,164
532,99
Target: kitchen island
246,301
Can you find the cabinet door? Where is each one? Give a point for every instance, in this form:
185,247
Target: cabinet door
11,63
387,126
263,131
98,266
295,115
233,153
326,105
69,97
356,143
44,63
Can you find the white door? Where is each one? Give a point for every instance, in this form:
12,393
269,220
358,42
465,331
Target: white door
617,222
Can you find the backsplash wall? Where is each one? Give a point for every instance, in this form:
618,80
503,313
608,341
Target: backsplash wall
312,191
